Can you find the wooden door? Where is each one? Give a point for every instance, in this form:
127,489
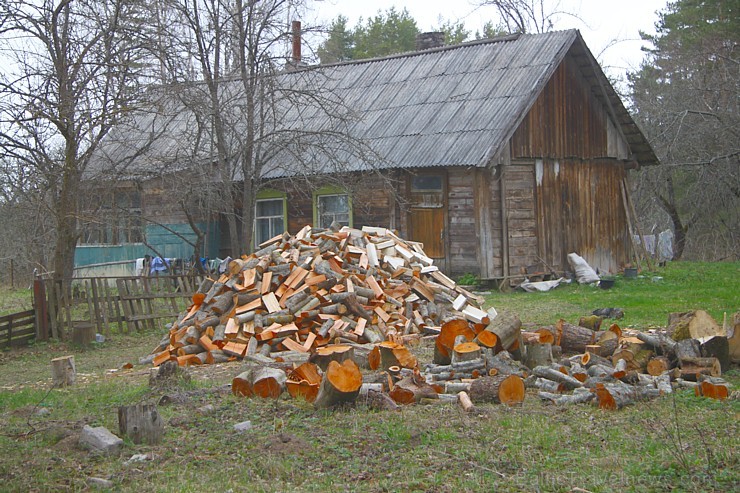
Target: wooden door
427,214
427,227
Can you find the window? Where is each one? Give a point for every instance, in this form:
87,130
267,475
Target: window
113,220
333,207
269,219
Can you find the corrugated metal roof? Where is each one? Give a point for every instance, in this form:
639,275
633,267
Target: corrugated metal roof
451,106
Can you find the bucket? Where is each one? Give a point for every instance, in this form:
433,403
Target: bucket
606,283
630,273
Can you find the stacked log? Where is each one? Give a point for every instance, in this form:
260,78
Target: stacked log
299,294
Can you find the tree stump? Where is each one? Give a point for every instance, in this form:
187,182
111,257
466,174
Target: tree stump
63,371
142,423
334,352
538,355
657,365
445,341
465,351
341,383
394,354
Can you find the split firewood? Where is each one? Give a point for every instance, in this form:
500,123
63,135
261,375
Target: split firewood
712,387
393,354
445,341
340,384
304,381
261,381
499,389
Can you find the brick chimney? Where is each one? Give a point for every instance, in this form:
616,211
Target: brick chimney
296,27
427,41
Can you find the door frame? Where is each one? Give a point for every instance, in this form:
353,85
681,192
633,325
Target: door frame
442,173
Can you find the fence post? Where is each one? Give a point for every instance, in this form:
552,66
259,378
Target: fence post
42,310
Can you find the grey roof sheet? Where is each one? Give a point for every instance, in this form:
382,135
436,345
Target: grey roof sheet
453,106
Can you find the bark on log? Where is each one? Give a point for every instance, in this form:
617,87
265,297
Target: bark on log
616,396
504,364
262,381
589,359
412,389
507,327
341,383
577,397
574,338
333,352
466,351
141,422
538,355
63,371
662,344
557,376
716,347
693,325
693,368
499,389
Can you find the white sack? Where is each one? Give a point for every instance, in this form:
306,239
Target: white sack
584,273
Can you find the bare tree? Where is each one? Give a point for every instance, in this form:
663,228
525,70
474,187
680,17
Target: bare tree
526,16
73,68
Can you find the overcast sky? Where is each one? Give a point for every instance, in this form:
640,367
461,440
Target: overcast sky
601,22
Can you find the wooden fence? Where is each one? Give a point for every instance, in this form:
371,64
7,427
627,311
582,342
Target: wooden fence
122,304
17,329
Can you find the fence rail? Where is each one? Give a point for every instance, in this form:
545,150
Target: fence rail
17,329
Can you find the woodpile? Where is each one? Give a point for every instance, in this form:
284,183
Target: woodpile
618,368
301,295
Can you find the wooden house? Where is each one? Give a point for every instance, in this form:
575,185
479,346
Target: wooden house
497,154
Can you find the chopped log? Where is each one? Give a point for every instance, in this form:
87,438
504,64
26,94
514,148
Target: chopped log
608,341
660,343
141,423
658,365
341,383
538,355
557,376
466,351
733,337
304,381
714,391
222,303
465,402
549,385
487,339
663,383
412,389
393,354
577,397
574,338
688,348
616,396
507,328
695,324
589,359
333,352
693,368
637,359
63,371
262,381
446,339
499,389
593,349
716,347
505,364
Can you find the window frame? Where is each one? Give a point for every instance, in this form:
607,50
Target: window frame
328,191
269,195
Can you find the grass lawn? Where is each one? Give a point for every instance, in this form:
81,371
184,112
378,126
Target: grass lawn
674,443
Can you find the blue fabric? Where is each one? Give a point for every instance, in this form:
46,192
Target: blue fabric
159,264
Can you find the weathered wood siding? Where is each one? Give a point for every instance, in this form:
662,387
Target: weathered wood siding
521,219
579,209
462,230
566,120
